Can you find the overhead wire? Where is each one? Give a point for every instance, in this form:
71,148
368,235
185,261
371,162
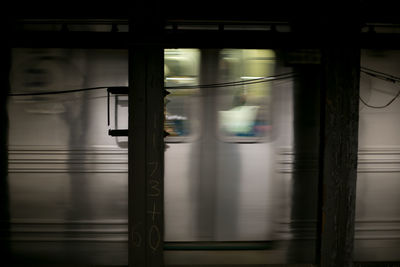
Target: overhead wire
234,83
60,92
379,74
370,72
382,76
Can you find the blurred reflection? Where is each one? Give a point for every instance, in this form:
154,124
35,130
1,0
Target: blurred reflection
76,118
62,192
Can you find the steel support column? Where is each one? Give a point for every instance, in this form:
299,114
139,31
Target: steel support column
339,141
4,190
146,144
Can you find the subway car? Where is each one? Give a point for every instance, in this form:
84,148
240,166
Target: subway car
241,157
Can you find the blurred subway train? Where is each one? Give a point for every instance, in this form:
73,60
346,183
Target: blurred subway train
241,158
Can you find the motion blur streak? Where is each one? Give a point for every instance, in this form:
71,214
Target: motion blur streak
68,178
241,161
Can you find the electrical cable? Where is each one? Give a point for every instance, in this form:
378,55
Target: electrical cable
235,83
61,92
382,76
384,106
373,73
379,74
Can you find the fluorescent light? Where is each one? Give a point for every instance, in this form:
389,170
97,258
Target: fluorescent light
179,78
254,77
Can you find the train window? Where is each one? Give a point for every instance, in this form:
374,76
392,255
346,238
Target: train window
245,104
181,71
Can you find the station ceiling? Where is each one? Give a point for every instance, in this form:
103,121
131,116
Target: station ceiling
249,10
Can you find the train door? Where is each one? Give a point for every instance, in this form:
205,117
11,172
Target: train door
219,164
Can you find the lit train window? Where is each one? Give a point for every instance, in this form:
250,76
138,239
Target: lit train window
245,106
181,72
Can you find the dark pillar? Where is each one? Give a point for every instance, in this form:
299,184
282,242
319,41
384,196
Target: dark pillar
4,194
146,144
341,67
304,202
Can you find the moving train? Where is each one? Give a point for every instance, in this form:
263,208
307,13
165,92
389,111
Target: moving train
241,159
